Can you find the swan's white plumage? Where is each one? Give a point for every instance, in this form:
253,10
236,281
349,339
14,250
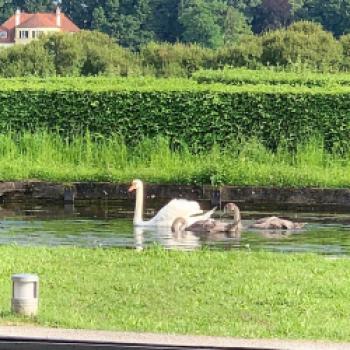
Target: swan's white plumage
189,210
192,219
174,209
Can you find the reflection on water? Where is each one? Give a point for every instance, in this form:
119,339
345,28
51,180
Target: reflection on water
99,225
163,236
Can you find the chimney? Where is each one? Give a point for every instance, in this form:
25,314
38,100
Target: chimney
18,17
58,16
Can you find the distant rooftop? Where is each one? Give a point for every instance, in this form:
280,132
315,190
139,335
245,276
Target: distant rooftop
35,20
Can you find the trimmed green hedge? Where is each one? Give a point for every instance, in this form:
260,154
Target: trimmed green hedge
248,76
179,109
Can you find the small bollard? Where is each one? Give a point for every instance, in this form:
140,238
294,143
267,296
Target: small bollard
215,198
69,195
25,294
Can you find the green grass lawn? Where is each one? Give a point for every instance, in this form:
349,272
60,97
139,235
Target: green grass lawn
228,293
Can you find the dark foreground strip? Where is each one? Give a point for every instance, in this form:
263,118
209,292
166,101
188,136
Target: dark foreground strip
43,344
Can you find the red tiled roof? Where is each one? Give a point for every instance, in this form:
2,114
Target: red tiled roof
10,23
48,20
36,20
39,20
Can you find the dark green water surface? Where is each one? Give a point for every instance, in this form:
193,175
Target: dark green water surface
102,225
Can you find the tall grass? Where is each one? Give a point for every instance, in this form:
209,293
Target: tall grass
47,156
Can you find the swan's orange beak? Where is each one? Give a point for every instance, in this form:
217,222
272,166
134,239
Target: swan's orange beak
132,188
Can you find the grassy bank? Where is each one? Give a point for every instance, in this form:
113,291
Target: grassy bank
205,292
46,156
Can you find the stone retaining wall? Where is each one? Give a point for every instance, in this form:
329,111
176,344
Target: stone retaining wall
247,197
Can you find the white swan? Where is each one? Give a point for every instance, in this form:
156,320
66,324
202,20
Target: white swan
190,210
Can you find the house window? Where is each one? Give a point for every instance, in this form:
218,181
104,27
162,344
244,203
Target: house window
23,34
36,33
3,35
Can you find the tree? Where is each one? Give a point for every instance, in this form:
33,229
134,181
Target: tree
245,53
272,14
31,59
345,42
88,53
175,59
80,11
8,7
200,25
128,21
134,29
6,10
235,26
304,43
164,20
103,56
332,14
99,20
245,6
106,18
35,5
296,5
66,52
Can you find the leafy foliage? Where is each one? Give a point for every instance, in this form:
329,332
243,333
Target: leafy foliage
268,76
31,59
302,46
272,14
211,23
8,7
164,21
332,14
302,43
175,60
235,26
200,24
345,43
246,53
200,115
85,53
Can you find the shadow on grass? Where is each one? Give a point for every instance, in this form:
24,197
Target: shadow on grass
14,319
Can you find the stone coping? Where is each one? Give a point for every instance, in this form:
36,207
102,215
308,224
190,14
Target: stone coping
57,334
326,198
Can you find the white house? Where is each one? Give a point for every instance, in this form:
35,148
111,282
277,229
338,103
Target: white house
22,27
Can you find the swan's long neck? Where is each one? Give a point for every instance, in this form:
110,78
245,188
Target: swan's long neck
236,216
178,225
236,225
138,206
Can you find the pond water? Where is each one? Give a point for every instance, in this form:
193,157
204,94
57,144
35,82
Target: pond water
110,225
